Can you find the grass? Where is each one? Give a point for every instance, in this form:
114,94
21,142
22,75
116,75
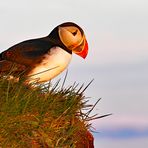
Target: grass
44,116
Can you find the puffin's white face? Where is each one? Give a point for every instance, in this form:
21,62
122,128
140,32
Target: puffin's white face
71,36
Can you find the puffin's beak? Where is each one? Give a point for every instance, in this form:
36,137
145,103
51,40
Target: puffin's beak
83,53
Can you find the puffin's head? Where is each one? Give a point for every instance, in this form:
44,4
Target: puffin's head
73,37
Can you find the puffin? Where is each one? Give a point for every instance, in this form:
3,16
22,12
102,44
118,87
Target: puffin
41,59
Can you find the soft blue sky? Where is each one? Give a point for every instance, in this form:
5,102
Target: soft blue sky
118,50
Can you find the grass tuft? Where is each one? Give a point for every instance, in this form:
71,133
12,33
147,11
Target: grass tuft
44,116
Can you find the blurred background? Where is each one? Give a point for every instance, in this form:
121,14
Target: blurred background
117,33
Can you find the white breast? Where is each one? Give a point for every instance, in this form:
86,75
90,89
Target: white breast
52,65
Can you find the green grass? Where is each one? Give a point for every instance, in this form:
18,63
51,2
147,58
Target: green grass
44,116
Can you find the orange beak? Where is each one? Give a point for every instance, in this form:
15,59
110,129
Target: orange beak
84,52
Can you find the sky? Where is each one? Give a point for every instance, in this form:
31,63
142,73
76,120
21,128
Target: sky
117,34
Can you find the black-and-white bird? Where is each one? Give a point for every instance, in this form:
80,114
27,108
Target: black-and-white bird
44,58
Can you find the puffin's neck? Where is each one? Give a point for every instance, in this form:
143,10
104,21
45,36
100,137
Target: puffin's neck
55,39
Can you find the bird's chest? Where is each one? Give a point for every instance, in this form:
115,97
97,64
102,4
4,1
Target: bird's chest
51,65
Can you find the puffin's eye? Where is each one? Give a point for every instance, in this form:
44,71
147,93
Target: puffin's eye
75,32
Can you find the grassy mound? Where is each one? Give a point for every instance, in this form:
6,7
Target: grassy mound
44,116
